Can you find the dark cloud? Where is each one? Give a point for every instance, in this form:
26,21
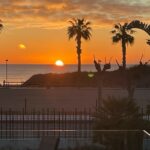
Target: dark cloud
53,13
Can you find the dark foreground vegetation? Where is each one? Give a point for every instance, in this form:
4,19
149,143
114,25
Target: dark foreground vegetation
120,114
118,126
137,75
121,125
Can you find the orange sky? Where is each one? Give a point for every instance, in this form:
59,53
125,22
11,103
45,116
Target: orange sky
42,28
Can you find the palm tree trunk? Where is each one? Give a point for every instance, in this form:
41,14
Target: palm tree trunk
79,62
123,54
79,53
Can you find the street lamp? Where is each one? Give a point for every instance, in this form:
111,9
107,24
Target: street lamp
6,70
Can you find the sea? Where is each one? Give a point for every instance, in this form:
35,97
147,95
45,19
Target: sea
22,72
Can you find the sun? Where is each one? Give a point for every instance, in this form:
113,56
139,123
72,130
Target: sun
59,63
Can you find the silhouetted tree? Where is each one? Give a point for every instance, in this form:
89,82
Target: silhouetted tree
140,25
124,35
80,28
118,113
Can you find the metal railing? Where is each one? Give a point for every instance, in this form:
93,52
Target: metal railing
117,139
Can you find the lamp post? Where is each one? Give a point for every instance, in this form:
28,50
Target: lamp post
6,70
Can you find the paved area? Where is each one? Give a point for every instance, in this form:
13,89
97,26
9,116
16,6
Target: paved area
68,98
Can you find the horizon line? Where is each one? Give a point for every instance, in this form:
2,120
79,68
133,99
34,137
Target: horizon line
64,64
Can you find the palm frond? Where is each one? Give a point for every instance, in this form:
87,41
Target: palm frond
116,38
130,39
113,31
117,26
148,42
71,32
79,28
89,28
86,34
122,32
75,20
88,23
140,25
71,22
132,31
80,22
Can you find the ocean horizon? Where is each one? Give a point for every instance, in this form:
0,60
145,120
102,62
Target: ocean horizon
22,72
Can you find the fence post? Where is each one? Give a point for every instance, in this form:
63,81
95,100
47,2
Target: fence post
85,122
10,122
6,125
22,118
47,120
59,122
25,105
54,115
76,123
39,122
62,119
65,124
1,122
73,121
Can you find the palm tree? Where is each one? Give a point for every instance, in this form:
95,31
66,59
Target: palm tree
140,25
80,28
124,35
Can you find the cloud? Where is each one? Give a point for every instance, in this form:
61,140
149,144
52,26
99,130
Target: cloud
55,13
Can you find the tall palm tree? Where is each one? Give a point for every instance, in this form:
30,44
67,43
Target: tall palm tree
124,35
80,28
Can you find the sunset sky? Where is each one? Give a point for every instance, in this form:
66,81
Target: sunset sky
35,31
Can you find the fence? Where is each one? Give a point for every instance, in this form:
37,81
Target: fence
25,124
38,123
12,84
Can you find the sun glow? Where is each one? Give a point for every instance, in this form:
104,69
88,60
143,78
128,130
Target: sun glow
22,46
59,63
